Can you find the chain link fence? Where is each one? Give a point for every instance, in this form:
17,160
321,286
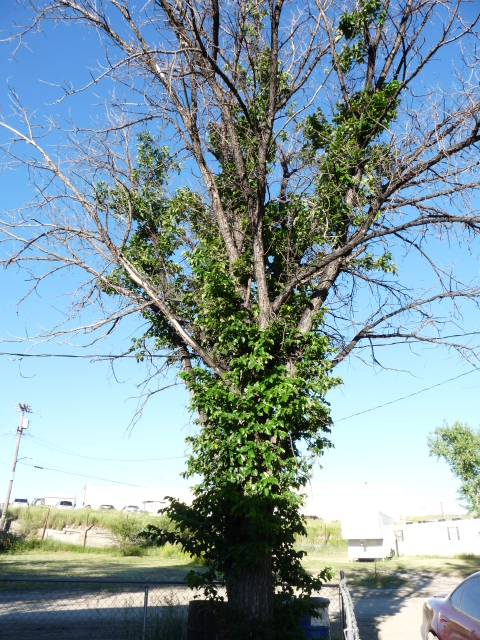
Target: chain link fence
349,623
68,609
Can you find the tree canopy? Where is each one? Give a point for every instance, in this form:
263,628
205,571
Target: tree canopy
254,198
459,446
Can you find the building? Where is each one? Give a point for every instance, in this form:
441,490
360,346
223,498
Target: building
441,538
370,534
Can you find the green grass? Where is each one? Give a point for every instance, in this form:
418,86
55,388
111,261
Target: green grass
67,561
30,518
53,559
48,558
322,537
406,571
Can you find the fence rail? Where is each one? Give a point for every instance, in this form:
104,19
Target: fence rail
349,623
94,609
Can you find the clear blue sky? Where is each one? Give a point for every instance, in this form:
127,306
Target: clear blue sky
82,408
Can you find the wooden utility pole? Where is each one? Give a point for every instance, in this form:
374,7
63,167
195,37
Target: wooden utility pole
45,525
23,408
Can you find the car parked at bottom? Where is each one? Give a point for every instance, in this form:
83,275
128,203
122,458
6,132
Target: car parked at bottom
455,616
107,507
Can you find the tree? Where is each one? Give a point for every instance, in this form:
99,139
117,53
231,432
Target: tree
323,155
459,446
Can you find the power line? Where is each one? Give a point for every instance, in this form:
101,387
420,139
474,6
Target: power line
81,475
69,452
133,355
410,395
114,466
82,355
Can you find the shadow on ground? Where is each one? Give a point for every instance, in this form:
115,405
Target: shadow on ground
391,614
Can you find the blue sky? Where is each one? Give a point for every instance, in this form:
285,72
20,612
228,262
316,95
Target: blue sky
82,408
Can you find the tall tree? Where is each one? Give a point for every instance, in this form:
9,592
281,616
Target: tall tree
459,446
324,153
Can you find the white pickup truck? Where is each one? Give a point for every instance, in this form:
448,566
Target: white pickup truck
52,500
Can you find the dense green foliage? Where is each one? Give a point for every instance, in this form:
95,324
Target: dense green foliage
255,415
459,446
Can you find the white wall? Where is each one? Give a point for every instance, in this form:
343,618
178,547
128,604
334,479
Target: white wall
369,549
365,522
432,538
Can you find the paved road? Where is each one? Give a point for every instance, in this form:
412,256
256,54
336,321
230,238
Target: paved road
396,614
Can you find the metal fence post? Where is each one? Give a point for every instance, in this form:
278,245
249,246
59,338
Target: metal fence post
342,605
145,608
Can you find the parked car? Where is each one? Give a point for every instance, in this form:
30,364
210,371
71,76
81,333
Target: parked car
20,502
107,507
37,502
456,615
64,504
132,508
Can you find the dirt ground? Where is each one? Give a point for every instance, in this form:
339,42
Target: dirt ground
396,614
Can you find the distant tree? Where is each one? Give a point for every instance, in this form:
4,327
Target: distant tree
459,446
318,152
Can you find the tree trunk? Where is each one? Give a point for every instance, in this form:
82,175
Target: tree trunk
250,599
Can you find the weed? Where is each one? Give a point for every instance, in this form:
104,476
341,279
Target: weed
32,518
7,541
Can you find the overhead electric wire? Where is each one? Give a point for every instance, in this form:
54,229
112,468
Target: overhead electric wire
69,452
133,355
410,395
81,475
136,473
83,355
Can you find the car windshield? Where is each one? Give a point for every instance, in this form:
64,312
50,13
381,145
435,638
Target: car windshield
65,503
20,500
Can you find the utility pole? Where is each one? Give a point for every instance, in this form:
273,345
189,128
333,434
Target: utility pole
23,408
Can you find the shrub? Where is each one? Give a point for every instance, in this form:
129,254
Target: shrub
125,530
7,541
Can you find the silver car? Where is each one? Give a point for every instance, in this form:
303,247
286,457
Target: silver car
132,508
65,504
